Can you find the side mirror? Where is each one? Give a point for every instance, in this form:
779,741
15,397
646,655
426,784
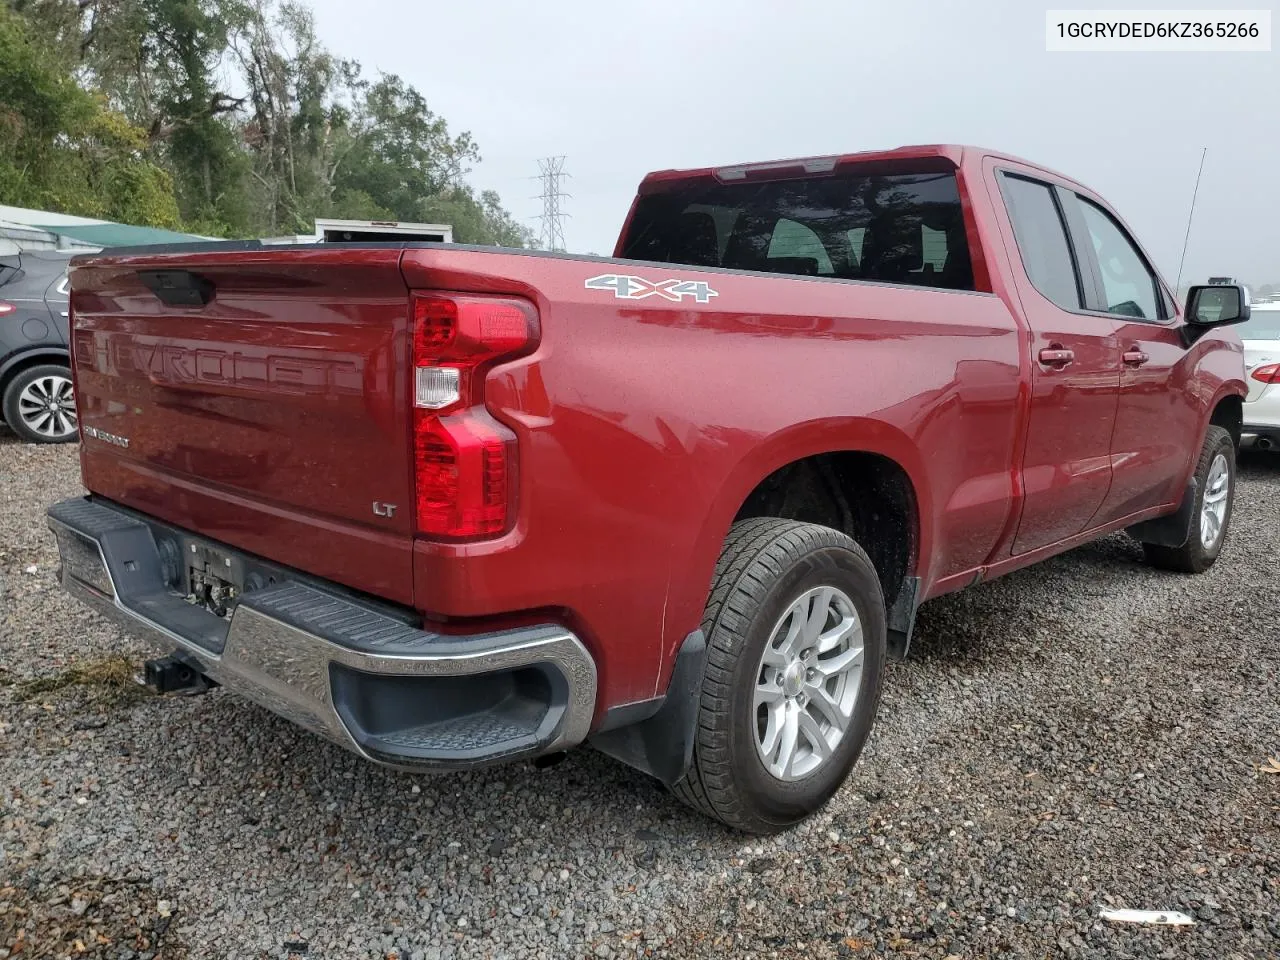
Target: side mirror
1217,304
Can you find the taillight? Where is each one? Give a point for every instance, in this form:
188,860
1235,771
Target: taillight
464,460
1268,374
6,308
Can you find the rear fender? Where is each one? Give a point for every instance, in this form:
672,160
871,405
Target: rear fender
691,582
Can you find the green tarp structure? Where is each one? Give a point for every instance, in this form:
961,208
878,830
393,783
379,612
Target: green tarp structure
118,234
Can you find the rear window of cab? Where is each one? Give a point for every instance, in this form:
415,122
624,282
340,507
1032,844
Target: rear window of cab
900,228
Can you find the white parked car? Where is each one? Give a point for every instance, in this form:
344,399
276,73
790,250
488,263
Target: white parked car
1261,337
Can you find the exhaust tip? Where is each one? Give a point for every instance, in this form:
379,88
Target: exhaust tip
548,760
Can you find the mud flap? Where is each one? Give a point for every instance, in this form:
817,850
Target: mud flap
1173,530
661,744
901,618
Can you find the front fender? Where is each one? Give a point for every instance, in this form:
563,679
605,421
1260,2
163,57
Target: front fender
1237,389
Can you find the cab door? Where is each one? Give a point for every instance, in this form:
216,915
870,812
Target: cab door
1075,370
1157,431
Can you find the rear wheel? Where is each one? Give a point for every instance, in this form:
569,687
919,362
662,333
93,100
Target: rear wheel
39,405
795,633
1211,512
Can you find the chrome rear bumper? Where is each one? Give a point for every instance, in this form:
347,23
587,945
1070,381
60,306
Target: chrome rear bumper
395,694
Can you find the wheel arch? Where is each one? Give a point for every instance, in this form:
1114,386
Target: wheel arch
1173,530
14,364
1227,412
847,440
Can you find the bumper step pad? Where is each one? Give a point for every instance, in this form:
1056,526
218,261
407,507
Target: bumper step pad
378,685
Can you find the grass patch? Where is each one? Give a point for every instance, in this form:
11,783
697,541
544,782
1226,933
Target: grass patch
110,679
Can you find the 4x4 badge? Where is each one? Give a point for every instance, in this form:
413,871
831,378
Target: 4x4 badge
637,288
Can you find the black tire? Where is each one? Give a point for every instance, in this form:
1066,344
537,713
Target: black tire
10,403
765,566
1195,556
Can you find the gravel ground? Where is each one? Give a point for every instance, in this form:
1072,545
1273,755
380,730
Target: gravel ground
1087,733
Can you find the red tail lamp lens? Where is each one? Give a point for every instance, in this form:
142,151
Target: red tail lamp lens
464,460
435,322
457,328
461,467
1268,374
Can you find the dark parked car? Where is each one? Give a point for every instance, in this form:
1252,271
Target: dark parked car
35,365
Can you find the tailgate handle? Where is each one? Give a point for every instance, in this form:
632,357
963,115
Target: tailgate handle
178,288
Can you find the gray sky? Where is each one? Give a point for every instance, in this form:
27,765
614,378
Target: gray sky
623,88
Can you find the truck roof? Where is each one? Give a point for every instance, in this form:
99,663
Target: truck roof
955,154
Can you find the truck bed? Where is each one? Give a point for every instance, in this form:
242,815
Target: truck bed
276,416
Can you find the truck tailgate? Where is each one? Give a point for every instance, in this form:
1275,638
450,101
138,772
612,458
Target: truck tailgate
259,397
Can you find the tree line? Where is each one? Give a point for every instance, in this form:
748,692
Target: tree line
221,117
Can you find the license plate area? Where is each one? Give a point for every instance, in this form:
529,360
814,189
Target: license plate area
215,578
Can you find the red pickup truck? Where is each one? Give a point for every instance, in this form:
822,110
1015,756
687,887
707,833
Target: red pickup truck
450,505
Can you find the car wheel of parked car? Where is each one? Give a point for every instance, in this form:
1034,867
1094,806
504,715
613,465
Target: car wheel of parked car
39,405
795,631
1211,513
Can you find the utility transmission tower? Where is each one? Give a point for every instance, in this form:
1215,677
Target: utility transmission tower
550,172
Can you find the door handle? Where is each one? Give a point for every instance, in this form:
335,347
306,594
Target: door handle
1056,356
1134,357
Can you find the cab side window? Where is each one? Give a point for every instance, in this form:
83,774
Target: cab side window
1130,285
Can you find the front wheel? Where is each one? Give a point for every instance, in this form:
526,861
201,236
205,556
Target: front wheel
1210,513
795,632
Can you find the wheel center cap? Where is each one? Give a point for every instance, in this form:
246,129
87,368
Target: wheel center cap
793,679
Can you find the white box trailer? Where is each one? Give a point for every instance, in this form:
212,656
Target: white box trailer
368,231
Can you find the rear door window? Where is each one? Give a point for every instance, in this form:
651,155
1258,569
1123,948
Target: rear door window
1042,240
896,228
